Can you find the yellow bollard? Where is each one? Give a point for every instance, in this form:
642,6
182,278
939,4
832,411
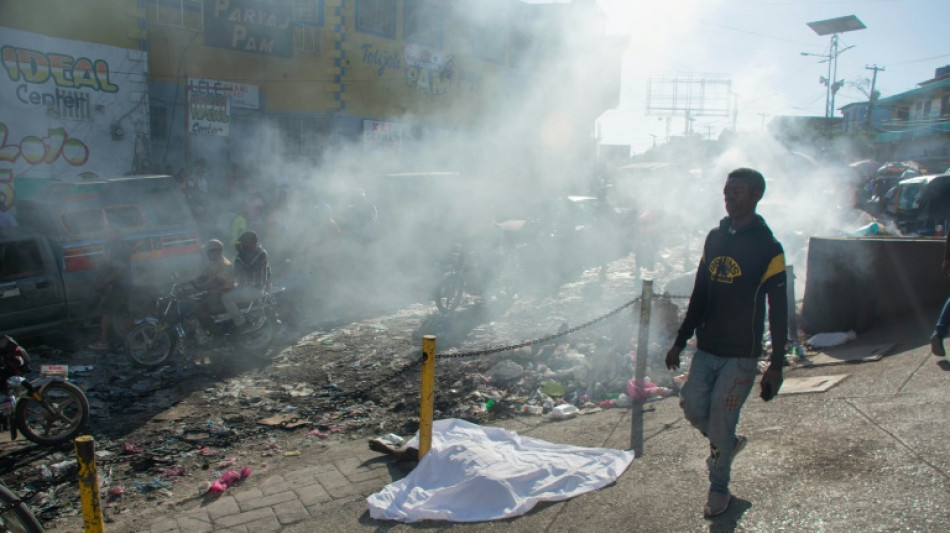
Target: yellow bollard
89,484
428,394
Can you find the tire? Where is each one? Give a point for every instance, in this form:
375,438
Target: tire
15,516
256,343
63,413
449,294
150,345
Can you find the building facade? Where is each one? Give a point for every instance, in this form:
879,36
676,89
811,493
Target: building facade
169,82
73,96
918,123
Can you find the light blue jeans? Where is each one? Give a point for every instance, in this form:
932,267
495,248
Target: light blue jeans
711,400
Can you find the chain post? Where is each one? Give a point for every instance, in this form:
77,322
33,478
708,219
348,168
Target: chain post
639,374
89,484
428,394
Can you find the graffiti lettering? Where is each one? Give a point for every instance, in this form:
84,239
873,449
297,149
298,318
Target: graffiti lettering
198,127
60,98
65,71
35,150
217,114
381,60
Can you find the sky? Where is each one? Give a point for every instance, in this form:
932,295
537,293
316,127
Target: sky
758,44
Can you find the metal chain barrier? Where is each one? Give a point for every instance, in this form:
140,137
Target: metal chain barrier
361,392
540,340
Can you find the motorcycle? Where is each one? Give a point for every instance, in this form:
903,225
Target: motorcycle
48,411
154,340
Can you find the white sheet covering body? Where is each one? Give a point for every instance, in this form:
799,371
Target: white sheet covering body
474,473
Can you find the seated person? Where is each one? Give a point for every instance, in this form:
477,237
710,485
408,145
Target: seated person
250,274
216,279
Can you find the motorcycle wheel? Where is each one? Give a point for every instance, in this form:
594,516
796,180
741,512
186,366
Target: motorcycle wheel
61,415
449,294
15,515
258,341
150,345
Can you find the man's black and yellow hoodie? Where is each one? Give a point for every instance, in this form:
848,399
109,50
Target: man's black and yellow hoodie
739,269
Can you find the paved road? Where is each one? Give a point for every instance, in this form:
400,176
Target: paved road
870,454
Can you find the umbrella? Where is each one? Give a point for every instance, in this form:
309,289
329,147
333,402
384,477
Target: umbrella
896,168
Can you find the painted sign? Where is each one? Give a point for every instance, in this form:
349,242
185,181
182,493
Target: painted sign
67,106
255,26
426,71
210,103
378,135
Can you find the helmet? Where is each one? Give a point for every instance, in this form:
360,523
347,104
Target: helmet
249,238
214,245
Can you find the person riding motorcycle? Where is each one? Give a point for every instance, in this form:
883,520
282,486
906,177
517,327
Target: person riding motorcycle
216,280
251,274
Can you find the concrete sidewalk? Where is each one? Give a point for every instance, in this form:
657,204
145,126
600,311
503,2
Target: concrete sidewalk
870,454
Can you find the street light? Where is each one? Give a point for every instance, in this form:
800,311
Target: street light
833,27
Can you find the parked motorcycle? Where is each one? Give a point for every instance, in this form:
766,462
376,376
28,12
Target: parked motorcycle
49,410
154,340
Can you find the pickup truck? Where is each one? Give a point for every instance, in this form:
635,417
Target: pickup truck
49,266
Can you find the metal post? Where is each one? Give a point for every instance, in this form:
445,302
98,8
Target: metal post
89,484
792,306
428,394
639,373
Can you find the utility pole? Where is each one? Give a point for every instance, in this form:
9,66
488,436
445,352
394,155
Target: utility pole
871,97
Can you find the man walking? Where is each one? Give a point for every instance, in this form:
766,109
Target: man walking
742,264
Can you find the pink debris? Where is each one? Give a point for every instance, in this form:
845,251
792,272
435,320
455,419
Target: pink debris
336,430
640,390
116,490
230,461
205,451
318,433
131,447
174,472
229,479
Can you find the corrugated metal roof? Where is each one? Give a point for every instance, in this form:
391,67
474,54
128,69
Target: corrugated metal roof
926,89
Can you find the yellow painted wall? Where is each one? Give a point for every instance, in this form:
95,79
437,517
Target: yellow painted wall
382,82
299,84
111,22
386,91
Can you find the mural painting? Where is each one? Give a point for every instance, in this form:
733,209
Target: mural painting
66,108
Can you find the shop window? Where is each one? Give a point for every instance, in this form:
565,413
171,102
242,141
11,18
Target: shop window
303,136
422,22
945,105
20,259
308,19
178,13
489,30
377,17
309,12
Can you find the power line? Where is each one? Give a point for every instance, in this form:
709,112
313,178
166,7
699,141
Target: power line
919,60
